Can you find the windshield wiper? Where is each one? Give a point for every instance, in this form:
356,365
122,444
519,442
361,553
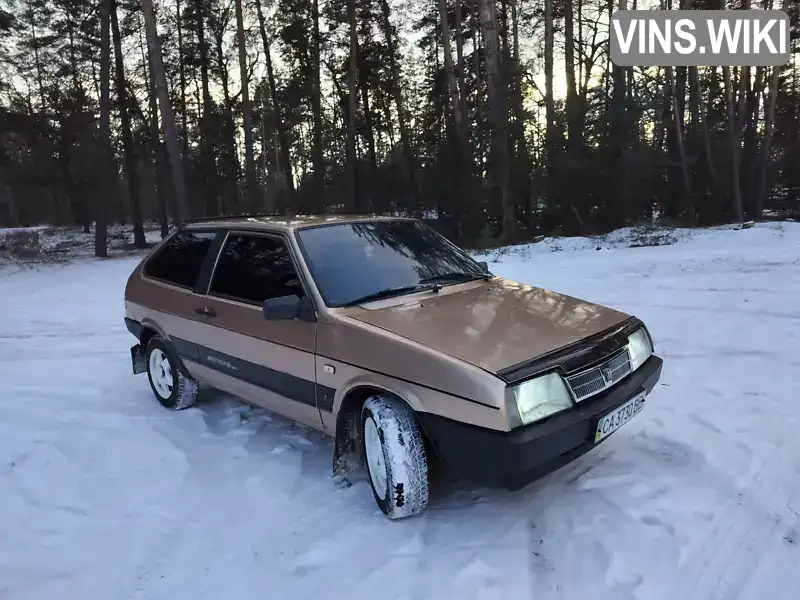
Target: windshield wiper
389,292
455,277
428,284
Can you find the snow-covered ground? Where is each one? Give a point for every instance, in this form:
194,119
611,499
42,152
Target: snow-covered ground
44,243
104,495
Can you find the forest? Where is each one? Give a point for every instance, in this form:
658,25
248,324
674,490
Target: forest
497,120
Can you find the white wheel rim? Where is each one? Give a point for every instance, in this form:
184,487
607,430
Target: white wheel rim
161,373
376,462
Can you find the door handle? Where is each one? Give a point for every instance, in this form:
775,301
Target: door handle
206,311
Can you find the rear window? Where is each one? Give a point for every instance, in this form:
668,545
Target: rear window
179,260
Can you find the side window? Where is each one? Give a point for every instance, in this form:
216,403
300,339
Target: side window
180,259
255,268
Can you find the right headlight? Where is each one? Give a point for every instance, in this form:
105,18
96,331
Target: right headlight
639,348
538,398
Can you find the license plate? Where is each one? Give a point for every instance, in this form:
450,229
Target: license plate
617,418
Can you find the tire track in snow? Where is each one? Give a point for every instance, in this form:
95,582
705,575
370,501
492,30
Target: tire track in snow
747,530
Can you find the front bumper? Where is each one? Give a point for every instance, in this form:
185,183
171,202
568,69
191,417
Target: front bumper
514,459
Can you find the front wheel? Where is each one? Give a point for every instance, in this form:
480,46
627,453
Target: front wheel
395,455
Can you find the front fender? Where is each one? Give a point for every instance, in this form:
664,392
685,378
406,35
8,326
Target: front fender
382,382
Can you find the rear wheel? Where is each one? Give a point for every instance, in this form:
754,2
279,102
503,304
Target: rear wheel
173,389
395,455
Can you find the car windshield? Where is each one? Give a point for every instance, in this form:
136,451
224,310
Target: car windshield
361,261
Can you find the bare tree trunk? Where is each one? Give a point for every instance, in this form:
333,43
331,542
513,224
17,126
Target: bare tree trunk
518,110
736,140
317,159
678,121
182,74
701,175
573,127
793,179
37,62
662,108
280,128
498,166
252,195
479,105
158,154
73,58
106,162
766,143
620,140
13,212
749,124
452,80
79,205
405,139
127,137
694,103
170,134
352,108
229,162
733,138
200,27
460,72
369,130
703,114
518,105
207,159
735,115
550,106
762,190
579,17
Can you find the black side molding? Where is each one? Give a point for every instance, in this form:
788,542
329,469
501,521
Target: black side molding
289,386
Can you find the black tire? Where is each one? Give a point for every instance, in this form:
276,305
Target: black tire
405,492
176,392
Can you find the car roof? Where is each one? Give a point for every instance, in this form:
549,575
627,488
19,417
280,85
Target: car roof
279,223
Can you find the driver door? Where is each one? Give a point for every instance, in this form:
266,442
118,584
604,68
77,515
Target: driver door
269,363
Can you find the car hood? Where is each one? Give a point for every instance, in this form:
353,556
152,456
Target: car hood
493,325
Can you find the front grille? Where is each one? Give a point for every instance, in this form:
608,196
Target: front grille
598,378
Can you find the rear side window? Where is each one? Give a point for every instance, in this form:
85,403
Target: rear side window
255,268
179,261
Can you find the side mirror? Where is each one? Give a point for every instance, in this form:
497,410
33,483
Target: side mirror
283,308
484,265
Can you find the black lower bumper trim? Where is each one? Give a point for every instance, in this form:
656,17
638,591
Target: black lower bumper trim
514,459
134,327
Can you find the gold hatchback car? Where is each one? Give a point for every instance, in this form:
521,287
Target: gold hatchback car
386,336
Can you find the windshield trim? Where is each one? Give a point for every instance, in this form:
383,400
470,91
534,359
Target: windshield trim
299,240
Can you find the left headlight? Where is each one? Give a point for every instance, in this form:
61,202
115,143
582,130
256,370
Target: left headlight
639,348
539,398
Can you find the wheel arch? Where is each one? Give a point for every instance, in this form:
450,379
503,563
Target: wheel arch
148,332
347,440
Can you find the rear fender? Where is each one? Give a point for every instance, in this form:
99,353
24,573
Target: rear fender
149,324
